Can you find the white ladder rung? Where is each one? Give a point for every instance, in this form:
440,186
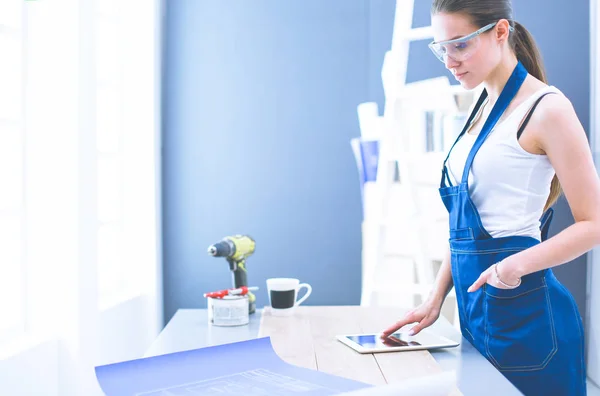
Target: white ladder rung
421,33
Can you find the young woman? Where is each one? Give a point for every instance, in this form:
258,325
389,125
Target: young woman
498,183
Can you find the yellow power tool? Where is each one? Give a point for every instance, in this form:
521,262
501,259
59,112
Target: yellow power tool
236,249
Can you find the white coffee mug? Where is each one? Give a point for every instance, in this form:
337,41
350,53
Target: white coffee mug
283,293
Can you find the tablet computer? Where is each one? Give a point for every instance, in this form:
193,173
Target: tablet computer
400,341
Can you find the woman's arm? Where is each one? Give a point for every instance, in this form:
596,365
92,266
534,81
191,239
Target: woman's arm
557,132
443,281
429,311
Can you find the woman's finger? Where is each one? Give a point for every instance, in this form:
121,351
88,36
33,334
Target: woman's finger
479,282
409,318
416,329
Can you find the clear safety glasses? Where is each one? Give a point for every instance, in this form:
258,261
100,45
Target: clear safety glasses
459,49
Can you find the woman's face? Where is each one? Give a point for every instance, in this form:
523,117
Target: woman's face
470,60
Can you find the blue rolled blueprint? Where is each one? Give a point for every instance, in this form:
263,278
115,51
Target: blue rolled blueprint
249,368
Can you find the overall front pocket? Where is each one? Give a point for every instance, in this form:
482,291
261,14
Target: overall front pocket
519,327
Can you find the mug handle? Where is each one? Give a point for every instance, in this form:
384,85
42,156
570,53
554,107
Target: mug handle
305,296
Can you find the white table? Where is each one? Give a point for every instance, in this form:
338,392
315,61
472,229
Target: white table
189,329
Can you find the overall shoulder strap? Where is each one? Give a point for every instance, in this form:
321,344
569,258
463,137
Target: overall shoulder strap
478,104
509,91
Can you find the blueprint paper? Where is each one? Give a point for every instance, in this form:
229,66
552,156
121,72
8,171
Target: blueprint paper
249,368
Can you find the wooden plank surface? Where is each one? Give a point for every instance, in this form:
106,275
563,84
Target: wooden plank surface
333,357
290,337
307,339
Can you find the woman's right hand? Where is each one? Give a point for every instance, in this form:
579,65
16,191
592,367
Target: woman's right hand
424,316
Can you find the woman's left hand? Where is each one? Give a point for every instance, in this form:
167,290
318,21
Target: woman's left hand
489,276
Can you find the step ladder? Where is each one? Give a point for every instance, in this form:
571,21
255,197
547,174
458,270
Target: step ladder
393,75
396,145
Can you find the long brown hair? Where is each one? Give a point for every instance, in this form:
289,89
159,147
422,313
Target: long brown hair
484,12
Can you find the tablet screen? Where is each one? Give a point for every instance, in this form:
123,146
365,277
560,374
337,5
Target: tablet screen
396,340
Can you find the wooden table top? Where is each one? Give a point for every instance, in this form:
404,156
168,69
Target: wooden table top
315,328
307,339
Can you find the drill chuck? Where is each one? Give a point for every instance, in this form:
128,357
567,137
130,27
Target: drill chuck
222,249
236,247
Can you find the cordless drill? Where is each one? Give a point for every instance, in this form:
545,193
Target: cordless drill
236,249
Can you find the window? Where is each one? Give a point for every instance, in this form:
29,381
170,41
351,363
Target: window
78,186
12,153
122,145
113,282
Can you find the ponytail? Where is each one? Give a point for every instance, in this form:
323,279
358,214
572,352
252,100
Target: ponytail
529,55
527,52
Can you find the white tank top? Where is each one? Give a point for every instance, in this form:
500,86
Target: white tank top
508,185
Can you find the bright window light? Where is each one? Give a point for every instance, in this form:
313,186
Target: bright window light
107,48
10,13
109,190
111,275
108,133
11,169
10,271
11,81
106,7
116,273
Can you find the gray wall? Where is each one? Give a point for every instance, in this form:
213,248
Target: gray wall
260,105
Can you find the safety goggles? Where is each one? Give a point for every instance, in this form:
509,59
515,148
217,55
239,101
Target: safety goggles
459,49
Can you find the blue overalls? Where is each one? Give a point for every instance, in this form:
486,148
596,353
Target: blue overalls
532,334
